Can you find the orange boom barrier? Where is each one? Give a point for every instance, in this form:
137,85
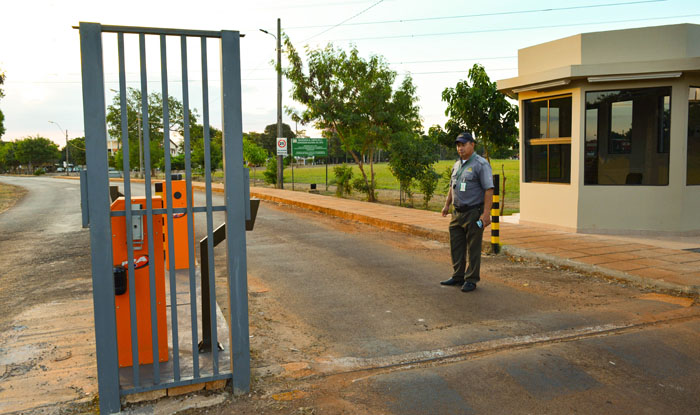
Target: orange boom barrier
142,290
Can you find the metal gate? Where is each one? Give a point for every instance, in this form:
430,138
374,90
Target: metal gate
114,381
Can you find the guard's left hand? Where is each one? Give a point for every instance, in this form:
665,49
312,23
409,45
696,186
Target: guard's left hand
486,219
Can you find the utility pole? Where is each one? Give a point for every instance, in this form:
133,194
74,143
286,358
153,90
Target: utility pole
280,159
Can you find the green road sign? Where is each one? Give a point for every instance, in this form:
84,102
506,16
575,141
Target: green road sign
309,147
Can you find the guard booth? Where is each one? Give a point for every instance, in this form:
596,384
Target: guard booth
147,319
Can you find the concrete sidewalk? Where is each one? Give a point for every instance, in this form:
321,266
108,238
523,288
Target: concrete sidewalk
662,263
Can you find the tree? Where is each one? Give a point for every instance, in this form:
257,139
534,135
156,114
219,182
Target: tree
483,110
412,157
8,157
253,154
155,122
197,147
2,94
268,139
76,151
37,152
353,98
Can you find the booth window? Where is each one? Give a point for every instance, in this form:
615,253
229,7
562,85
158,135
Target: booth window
628,136
548,140
693,171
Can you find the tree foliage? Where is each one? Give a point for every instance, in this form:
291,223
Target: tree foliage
8,156
253,154
352,97
2,94
481,109
215,147
155,124
36,152
76,151
268,138
412,157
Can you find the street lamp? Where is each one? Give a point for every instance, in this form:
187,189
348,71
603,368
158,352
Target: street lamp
60,128
280,161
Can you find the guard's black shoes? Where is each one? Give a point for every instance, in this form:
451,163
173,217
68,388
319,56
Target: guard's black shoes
452,281
468,286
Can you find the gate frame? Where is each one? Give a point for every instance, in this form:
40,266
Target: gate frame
236,207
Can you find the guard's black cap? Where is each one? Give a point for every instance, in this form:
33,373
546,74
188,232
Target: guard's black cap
464,137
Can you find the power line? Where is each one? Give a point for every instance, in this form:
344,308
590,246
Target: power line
510,29
421,61
465,16
344,21
462,71
454,60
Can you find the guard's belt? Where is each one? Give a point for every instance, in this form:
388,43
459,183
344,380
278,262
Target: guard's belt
463,209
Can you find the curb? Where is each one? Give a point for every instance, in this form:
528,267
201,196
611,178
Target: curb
595,269
379,223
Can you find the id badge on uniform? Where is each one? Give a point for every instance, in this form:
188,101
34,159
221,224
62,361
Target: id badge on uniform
462,187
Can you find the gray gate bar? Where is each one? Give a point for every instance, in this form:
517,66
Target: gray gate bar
131,275
149,206
210,217
190,214
196,209
100,227
234,187
84,198
169,215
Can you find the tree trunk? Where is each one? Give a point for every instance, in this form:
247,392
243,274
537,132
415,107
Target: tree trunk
360,164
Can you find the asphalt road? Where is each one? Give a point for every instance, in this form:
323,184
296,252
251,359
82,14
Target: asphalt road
363,309
44,252
388,338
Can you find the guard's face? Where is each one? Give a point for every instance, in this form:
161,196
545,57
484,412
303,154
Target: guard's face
465,150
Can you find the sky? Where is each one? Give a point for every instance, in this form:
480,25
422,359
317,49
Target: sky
436,42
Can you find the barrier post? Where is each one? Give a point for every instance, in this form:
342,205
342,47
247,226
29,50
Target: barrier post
495,210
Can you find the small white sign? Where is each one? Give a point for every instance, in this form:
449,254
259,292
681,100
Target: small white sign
281,146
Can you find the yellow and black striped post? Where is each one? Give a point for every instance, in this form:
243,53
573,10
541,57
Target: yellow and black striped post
495,212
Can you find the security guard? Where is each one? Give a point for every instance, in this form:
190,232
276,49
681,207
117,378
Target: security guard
471,189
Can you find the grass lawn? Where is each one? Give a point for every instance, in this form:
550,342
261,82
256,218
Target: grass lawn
9,195
386,182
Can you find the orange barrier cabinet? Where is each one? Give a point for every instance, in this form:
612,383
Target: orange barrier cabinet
180,248
142,263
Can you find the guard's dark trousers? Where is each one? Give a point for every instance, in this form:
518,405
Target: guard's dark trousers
465,241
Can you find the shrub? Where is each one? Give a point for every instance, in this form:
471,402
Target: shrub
360,185
39,172
428,182
343,178
446,176
270,173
